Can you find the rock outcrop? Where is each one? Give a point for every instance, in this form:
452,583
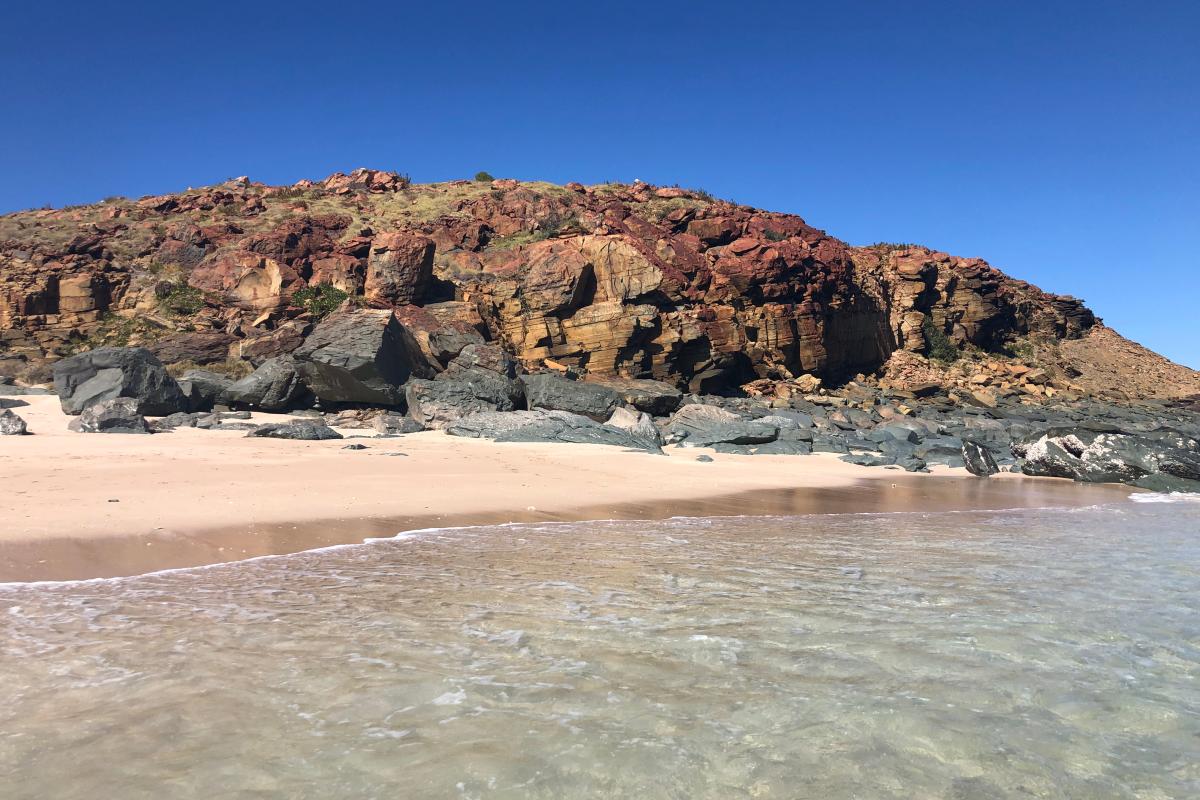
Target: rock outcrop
11,424
610,283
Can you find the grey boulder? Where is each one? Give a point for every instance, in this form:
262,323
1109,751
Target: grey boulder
556,393
202,388
118,415
275,386
979,460
303,430
435,404
108,373
360,356
11,424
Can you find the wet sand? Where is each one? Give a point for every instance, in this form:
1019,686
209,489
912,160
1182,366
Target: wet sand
87,505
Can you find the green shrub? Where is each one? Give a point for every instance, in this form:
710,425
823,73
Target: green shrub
774,236
939,346
319,300
182,301
484,177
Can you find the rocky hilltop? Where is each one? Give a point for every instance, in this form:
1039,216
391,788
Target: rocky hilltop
630,281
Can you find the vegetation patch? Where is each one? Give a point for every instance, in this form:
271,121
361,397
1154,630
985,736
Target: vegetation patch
319,300
182,301
484,177
939,346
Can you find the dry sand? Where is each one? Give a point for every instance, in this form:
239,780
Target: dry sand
93,505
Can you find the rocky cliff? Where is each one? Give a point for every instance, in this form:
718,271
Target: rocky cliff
629,280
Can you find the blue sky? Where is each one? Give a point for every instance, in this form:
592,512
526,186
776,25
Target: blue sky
1058,140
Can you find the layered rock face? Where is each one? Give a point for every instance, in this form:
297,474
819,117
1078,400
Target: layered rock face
611,281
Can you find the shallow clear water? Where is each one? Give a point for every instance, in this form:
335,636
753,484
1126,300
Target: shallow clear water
1013,654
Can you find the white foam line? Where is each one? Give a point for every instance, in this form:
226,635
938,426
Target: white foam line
419,532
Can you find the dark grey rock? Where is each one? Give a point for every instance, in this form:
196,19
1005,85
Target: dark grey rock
544,426
6,402
360,356
638,423
202,388
355,447
655,398
784,447
556,393
978,460
705,426
703,459
11,424
395,425
117,415
86,379
275,386
435,404
302,430
8,388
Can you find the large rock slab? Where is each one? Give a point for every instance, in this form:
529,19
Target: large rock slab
11,424
556,393
275,386
303,430
118,415
704,426
656,398
360,356
108,373
545,426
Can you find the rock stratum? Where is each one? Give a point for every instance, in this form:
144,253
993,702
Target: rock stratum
615,282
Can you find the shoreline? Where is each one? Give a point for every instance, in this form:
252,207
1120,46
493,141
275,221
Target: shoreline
105,505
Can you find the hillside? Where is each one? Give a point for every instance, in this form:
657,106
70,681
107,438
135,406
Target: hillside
628,280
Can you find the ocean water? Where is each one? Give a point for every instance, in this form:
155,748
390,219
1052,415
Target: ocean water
1022,654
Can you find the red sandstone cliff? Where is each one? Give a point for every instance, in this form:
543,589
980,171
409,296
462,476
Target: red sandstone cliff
612,279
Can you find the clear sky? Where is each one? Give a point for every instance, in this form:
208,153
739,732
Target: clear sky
1058,140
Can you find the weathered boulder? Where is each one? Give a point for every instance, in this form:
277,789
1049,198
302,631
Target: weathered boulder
704,426
360,356
305,430
275,386
544,426
979,460
435,404
1085,454
399,267
201,388
556,393
116,415
656,398
638,423
11,424
108,373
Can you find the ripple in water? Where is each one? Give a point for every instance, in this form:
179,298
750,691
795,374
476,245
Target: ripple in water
964,655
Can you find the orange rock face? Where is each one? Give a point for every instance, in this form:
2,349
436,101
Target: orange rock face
634,281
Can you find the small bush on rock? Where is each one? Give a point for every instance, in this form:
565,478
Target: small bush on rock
319,300
940,347
484,177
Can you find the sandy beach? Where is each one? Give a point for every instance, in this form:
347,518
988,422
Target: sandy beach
94,505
